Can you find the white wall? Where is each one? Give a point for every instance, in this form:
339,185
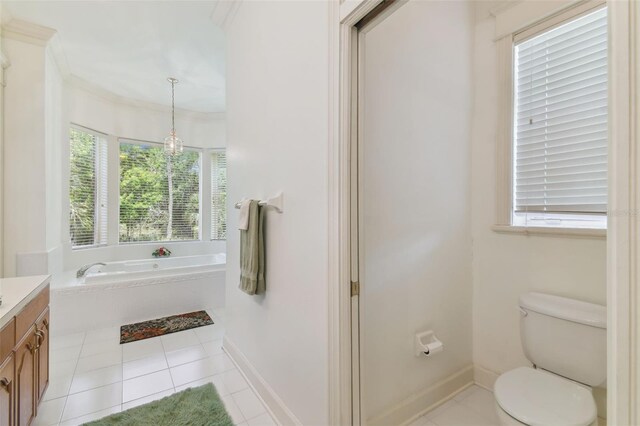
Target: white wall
277,118
505,266
30,164
415,207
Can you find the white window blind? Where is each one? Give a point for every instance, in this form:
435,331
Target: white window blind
87,188
159,194
218,195
560,128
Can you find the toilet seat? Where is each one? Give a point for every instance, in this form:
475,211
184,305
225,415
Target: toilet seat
540,398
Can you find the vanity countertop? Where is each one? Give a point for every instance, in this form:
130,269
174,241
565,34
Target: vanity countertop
17,293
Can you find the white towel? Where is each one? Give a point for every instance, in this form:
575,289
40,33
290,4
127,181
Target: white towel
243,219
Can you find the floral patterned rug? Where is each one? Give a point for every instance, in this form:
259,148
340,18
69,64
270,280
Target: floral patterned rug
158,327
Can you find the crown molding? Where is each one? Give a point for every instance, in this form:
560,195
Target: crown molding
78,83
17,29
224,12
503,6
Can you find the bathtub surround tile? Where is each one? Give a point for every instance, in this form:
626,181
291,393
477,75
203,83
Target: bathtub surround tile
164,326
142,366
91,417
142,349
96,378
93,400
175,341
248,403
142,386
146,399
50,412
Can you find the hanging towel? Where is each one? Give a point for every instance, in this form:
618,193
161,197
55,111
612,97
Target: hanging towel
243,219
252,256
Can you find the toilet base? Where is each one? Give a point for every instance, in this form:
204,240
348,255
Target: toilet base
506,420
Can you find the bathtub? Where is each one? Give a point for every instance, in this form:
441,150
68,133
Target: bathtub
128,291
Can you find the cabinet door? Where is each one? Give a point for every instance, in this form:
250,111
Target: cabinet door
26,380
42,333
7,393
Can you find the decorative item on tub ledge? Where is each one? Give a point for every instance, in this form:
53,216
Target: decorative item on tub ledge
162,252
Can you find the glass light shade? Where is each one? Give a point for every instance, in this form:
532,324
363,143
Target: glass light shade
173,144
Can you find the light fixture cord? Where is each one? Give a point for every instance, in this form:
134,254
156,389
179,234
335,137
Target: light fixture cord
173,107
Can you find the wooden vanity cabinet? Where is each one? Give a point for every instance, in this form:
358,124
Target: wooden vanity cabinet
7,392
24,362
26,380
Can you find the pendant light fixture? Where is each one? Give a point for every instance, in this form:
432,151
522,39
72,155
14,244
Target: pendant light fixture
173,144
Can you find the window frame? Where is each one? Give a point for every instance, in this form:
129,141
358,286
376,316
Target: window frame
211,183
102,149
506,217
200,152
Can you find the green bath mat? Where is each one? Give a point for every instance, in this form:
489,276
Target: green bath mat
199,406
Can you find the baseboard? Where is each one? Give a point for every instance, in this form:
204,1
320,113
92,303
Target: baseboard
278,410
484,377
424,401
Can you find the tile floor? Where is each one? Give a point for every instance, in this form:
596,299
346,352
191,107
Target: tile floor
92,375
473,406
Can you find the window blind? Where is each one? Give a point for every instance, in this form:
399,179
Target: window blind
87,188
159,194
218,195
560,122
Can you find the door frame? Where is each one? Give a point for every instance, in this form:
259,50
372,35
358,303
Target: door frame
623,240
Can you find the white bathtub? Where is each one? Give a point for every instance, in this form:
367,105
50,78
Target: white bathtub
136,290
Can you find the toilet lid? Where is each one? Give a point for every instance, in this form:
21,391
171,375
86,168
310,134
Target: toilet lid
539,398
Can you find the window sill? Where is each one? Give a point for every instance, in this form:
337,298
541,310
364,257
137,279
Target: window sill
599,234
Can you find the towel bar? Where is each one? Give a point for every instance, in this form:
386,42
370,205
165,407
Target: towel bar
275,202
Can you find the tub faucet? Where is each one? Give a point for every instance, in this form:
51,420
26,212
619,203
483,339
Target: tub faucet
85,268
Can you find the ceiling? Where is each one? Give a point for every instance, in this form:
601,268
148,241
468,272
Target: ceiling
129,48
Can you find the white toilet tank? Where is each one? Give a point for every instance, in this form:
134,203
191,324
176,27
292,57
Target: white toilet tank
565,336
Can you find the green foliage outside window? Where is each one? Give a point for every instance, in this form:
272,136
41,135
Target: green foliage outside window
82,188
159,194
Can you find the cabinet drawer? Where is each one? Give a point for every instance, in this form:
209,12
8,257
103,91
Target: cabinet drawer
29,315
7,339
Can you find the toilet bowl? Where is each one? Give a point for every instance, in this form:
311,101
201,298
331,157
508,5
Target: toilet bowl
565,339
527,396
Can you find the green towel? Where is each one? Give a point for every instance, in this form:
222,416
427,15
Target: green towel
252,252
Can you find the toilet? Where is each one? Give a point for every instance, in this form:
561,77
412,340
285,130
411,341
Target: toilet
565,340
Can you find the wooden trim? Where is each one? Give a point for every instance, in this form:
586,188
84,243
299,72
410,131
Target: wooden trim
7,340
267,395
340,123
381,7
599,234
28,316
623,254
504,138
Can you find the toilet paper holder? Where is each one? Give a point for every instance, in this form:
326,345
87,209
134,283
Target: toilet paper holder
427,344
